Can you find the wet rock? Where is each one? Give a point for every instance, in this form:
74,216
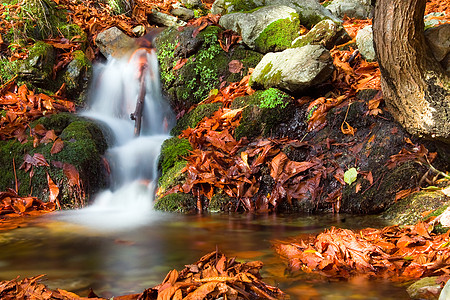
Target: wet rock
113,42
269,28
183,13
76,77
163,19
425,288
360,9
293,70
438,39
326,33
205,65
176,202
364,41
309,11
194,116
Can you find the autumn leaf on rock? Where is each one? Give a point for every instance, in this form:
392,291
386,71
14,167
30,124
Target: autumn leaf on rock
58,145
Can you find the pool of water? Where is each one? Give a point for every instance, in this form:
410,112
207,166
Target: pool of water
116,262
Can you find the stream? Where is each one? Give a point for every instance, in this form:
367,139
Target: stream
117,262
119,245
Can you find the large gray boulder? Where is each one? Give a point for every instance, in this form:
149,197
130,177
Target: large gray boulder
364,41
113,42
309,11
293,70
269,28
360,9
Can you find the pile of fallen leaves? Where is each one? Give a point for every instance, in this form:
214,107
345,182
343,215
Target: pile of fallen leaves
214,276
397,252
10,202
23,106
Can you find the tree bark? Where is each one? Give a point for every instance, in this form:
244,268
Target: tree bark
415,86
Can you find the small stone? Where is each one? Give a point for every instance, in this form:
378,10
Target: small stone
364,41
139,30
425,288
438,38
183,13
163,19
192,3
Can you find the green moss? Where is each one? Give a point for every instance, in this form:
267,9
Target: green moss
83,146
326,33
38,67
278,35
221,202
176,202
73,31
76,77
173,150
192,118
242,5
8,70
263,112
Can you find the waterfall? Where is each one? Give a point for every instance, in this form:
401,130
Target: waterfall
132,159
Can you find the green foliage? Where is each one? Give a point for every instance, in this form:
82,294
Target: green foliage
173,150
272,98
8,69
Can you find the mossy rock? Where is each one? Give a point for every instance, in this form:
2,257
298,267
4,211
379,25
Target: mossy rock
192,118
8,69
221,202
206,66
173,150
84,145
37,69
74,33
171,178
263,112
279,35
327,33
409,210
176,202
77,76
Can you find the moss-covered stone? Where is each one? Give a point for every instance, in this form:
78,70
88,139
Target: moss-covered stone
221,202
263,111
192,118
37,69
171,178
205,68
8,69
327,33
76,77
279,35
176,202
409,210
83,146
173,150
74,33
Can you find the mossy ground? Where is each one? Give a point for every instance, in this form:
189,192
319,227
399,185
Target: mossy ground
83,146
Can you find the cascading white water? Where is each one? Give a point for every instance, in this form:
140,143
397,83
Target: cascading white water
133,160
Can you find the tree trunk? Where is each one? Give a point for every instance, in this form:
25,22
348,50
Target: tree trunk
416,88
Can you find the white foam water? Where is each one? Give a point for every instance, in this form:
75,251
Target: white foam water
132,160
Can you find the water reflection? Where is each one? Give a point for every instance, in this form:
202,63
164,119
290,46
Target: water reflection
77,257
